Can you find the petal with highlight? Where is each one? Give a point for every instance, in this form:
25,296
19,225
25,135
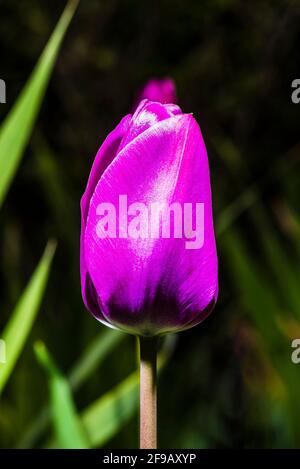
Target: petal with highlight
146,285
105,155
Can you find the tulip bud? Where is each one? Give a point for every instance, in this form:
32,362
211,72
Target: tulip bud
148,252
161,90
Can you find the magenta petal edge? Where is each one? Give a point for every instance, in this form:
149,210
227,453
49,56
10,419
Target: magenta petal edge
146,283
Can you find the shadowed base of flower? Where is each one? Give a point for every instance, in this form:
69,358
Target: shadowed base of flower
161,316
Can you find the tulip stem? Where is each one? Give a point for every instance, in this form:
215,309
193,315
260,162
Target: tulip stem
148,385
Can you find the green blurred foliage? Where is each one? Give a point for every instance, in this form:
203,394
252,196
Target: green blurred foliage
229,382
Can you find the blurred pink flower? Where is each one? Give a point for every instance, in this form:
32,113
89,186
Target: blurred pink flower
161,90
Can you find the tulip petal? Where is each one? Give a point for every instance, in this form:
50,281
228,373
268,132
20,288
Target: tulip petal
105,155
154,285
146,115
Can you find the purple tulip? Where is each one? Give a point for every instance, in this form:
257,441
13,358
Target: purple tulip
161,90
148,252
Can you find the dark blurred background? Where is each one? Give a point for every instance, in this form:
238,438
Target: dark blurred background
230,382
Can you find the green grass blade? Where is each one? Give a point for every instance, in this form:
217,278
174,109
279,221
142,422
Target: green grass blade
87,364
255,292
93,356
68,428
23,316
284,268
105,417
17,127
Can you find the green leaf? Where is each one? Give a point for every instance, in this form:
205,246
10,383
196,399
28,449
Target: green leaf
23,316
108,414
284,268
254,290
231,212
17,127
259,297
105,417
68,429
87,364
94,355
